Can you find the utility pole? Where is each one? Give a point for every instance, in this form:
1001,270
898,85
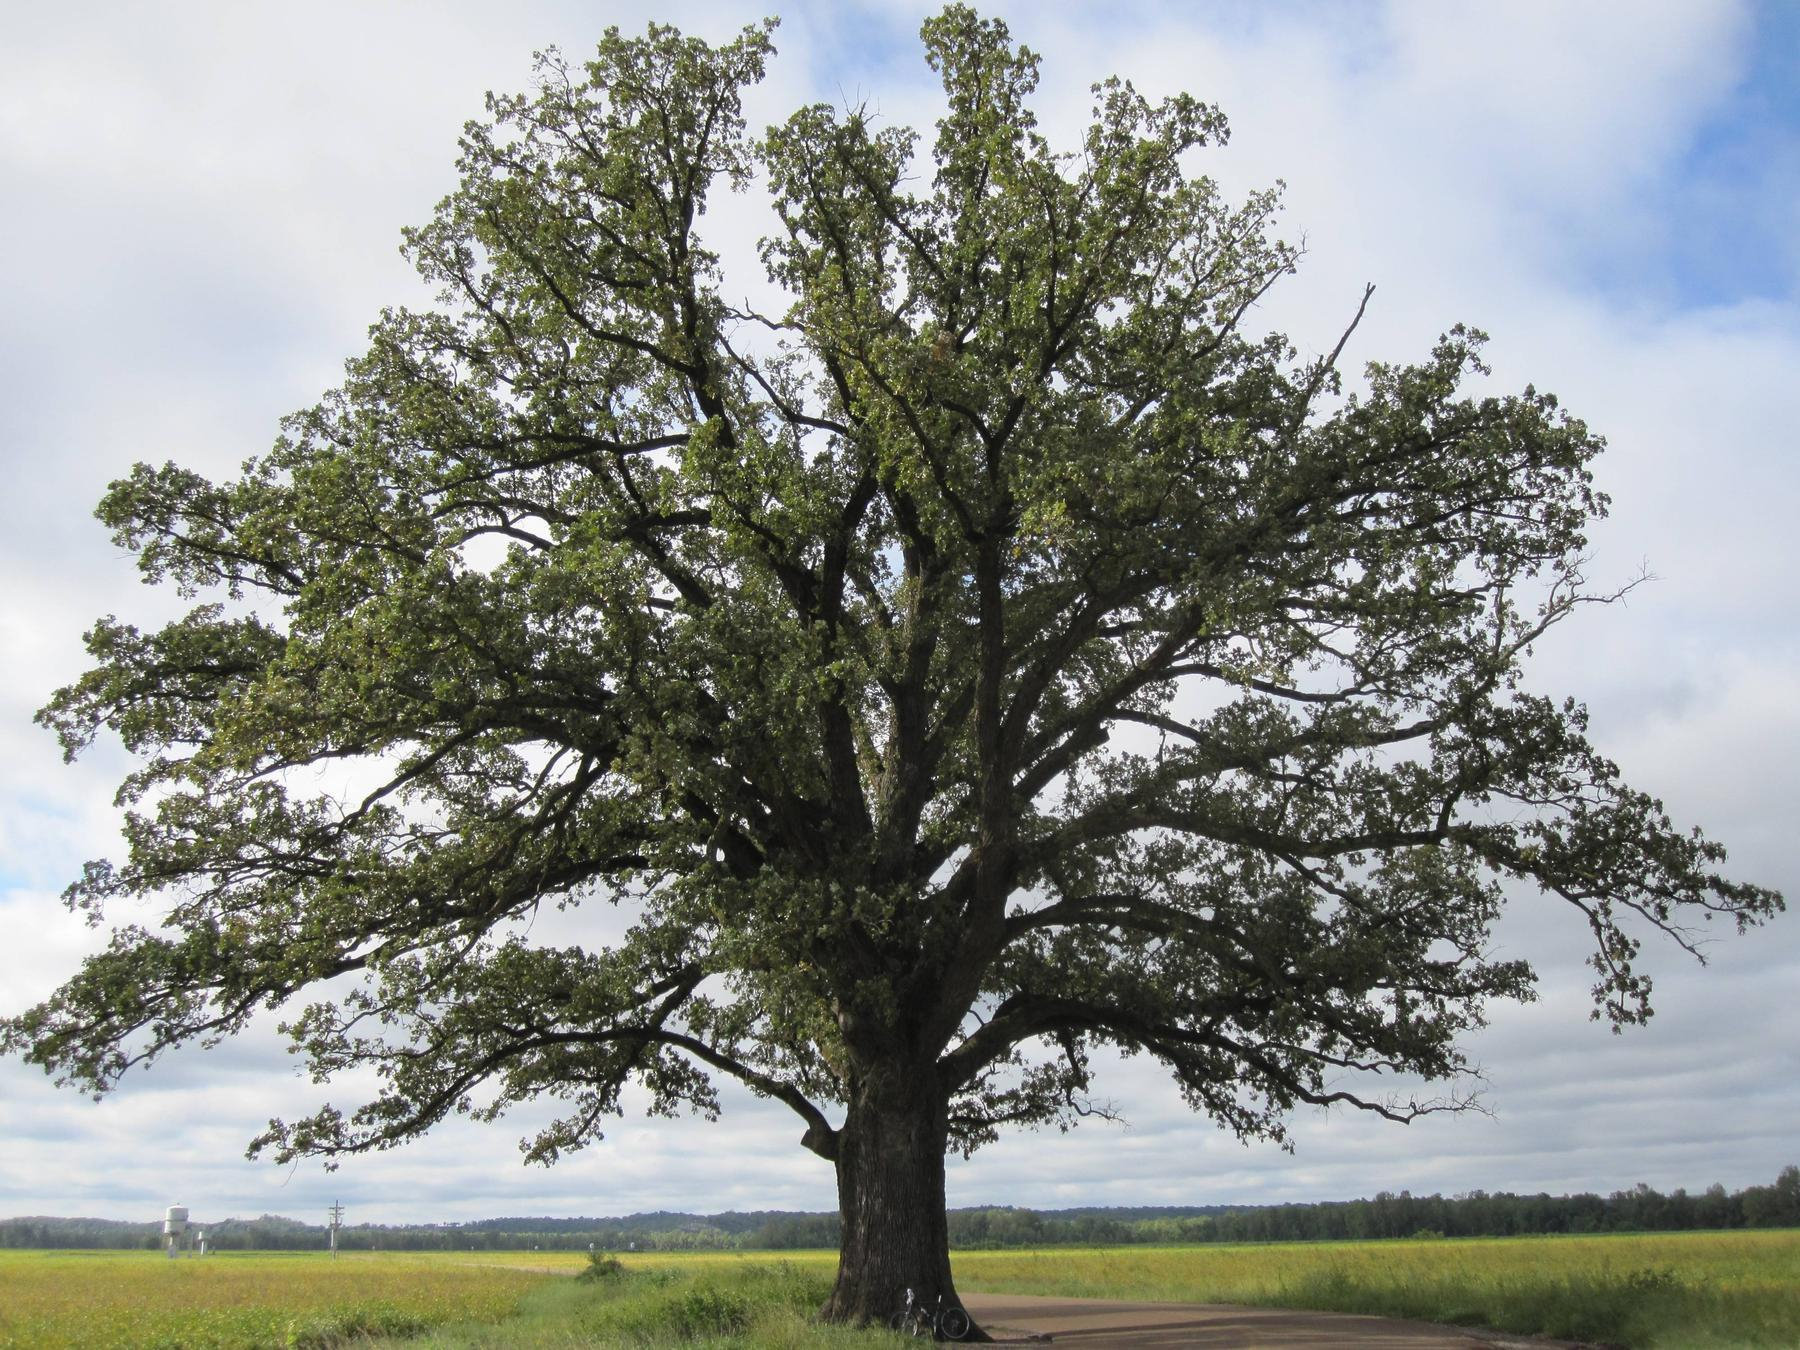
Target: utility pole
337,1218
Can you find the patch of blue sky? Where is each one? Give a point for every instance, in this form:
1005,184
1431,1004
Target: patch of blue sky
41,846
1719,221
855,51
46,874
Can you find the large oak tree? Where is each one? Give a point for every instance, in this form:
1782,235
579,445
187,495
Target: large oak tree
999,653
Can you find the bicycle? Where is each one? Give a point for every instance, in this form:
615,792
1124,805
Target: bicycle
950,1324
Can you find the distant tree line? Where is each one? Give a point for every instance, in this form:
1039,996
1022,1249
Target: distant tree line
1500,1214
1387,1215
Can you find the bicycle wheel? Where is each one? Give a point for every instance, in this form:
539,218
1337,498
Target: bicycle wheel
901,1322
954,1323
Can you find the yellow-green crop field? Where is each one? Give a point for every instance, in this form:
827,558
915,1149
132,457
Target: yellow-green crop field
240,1300
1259,1272
1688,1290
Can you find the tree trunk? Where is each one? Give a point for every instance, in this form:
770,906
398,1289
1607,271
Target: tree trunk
890,1171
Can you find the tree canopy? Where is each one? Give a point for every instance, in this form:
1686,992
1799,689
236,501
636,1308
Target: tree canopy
1000,651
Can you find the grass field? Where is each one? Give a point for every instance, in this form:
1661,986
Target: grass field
1700,1290
225,1302
1640,1290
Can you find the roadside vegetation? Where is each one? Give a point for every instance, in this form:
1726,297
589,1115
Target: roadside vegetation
1706,1291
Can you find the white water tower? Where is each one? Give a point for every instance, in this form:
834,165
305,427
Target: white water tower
175,1225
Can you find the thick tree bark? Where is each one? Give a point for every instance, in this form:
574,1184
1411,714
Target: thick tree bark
890,1170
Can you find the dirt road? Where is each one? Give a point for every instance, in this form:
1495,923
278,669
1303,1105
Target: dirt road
1092,1323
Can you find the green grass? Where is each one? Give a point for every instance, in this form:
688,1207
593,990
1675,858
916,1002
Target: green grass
1706,1291
693,1301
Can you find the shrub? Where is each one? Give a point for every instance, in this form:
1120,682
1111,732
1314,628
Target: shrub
602,1266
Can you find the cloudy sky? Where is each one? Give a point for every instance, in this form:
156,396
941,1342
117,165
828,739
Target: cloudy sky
201,208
